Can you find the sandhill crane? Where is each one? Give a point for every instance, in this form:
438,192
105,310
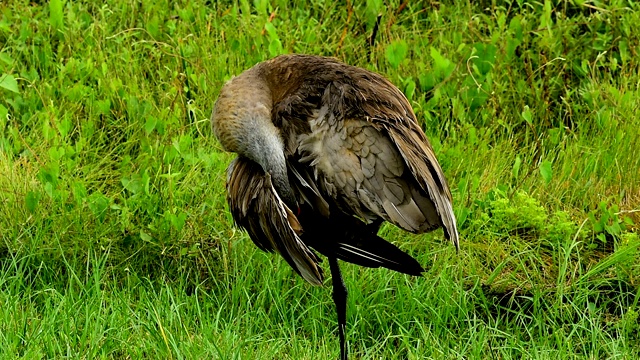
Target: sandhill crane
326,153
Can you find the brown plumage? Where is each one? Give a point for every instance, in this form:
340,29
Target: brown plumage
326,152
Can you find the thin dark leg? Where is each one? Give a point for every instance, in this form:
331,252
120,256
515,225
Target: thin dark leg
340,299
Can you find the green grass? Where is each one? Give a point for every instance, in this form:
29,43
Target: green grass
115,237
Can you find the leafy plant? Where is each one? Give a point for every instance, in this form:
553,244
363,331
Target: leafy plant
520,214
607,222
396,52
8,82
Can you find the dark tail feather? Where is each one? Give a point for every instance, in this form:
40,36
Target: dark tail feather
353,241
373,251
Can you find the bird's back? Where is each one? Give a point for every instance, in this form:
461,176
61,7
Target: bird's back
359,133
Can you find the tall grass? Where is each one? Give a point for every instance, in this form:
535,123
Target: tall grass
115,237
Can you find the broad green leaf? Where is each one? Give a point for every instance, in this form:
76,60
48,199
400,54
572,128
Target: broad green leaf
79,192
48,189
8,82
373,9
184,251
474,96
275,47
271,30
31,200
526,114
150,124
623,47
144,236
510,49
98,204
410,88
55,14
516,27
178,221
56,153
64,126
486,57
6,59
472,135
461,216
153,26
427,81
261,6
396,52
546,171
133,184
441,63
516,167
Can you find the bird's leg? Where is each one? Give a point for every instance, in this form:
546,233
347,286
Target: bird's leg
340,299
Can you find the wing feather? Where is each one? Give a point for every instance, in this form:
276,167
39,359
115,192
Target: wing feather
256,207
422,163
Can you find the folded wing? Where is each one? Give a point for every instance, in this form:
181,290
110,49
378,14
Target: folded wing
256,207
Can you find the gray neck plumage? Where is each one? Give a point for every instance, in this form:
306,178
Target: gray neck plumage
242,122
267,149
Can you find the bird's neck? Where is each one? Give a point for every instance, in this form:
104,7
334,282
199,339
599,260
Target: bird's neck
242,122
266,148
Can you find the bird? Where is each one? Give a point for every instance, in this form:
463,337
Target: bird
326,152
